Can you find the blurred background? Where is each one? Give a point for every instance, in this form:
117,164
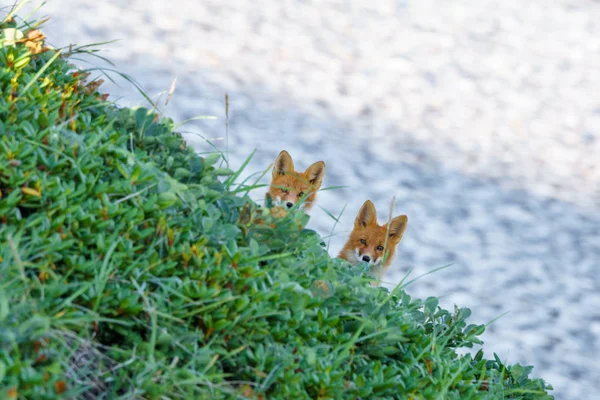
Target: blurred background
481,117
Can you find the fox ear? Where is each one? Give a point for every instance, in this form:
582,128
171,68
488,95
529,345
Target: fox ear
397,228
283,164
316,173
366,215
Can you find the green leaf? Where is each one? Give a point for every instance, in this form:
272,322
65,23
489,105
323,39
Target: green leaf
431,304
223,172
4,307
2,371
212,158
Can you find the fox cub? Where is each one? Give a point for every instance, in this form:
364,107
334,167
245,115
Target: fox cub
289,186
367,240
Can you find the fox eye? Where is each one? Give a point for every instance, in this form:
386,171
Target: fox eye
284,190
363,241
380,248
300,194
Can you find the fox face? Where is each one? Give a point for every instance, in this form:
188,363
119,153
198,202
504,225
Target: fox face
289,186
367,240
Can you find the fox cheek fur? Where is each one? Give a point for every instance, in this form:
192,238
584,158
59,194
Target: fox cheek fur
368,242
288,186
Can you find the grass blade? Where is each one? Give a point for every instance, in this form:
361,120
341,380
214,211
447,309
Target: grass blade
39,73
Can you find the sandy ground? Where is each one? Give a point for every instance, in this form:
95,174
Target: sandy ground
481,117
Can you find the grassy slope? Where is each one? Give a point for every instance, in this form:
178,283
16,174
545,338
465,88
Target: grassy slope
128,267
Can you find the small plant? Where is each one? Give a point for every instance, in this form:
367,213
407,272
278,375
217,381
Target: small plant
131,267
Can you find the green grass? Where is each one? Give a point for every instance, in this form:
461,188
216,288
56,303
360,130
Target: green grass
131,267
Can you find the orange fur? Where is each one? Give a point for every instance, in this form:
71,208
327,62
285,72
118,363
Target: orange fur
288,186
368,239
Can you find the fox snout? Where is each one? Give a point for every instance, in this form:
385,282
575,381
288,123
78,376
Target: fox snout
288,200
366,254
369,258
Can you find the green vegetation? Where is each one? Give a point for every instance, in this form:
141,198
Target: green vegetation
132,267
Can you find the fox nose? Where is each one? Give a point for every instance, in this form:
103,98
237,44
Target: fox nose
289,204
366,258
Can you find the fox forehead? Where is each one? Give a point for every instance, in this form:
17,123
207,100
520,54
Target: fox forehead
294,182
372,235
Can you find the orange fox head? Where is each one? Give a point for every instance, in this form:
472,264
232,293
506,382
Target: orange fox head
368,242
289,186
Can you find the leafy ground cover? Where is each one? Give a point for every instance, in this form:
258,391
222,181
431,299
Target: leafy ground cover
132,267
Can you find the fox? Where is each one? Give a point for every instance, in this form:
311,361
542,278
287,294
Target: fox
368,241
289,186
